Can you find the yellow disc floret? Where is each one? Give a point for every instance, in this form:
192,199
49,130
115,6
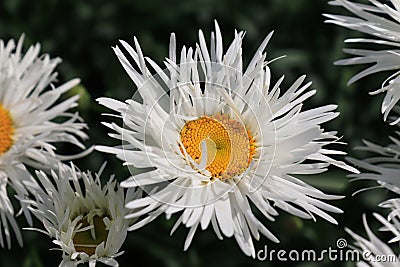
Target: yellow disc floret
230,147
6,130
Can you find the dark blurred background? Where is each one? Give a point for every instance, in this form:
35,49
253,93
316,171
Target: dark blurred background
82,33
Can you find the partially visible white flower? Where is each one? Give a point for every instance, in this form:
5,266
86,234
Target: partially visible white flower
220,140
392,223
382,21
383,167
83,218
33,120
372,251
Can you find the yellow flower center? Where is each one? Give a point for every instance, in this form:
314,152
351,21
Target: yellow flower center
87,241
230,147
6,130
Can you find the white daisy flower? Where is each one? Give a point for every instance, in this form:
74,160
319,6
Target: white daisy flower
219,139
383,167
382,21
374,252
392,223
85,219
32,121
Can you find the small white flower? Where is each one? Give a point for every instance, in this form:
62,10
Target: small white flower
32,121
373,251
392,223
219,139
85,219
383,167
382,21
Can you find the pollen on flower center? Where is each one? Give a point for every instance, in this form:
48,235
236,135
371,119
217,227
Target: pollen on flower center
87,241
230,147
6,130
